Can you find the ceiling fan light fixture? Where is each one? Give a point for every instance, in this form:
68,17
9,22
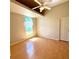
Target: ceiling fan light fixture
41,9
43,5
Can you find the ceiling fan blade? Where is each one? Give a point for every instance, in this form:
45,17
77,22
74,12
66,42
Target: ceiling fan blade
37,2
45,3
36,7
46,7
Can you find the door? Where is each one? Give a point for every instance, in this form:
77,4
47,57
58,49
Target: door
64,32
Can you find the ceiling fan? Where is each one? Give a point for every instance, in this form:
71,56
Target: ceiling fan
43,4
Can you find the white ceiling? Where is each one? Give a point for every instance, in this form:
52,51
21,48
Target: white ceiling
52,3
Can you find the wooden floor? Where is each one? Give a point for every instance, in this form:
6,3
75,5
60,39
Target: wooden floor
39,48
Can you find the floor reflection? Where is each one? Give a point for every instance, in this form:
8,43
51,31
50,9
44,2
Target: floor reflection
30,49
34,39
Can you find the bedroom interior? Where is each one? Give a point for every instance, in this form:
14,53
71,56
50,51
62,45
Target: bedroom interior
39,29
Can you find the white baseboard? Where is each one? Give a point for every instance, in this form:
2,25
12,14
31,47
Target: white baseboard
20,41
17,42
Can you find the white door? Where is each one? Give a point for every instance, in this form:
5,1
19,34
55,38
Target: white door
64,32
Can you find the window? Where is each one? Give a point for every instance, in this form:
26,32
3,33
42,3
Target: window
28,25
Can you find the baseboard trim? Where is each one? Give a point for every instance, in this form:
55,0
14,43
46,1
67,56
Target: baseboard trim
64,41
12,44
49,38
54,39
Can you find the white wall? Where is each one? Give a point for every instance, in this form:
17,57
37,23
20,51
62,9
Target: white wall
48,25
17,29
64,29
17,16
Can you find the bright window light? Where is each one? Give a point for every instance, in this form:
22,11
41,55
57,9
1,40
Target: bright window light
28,25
